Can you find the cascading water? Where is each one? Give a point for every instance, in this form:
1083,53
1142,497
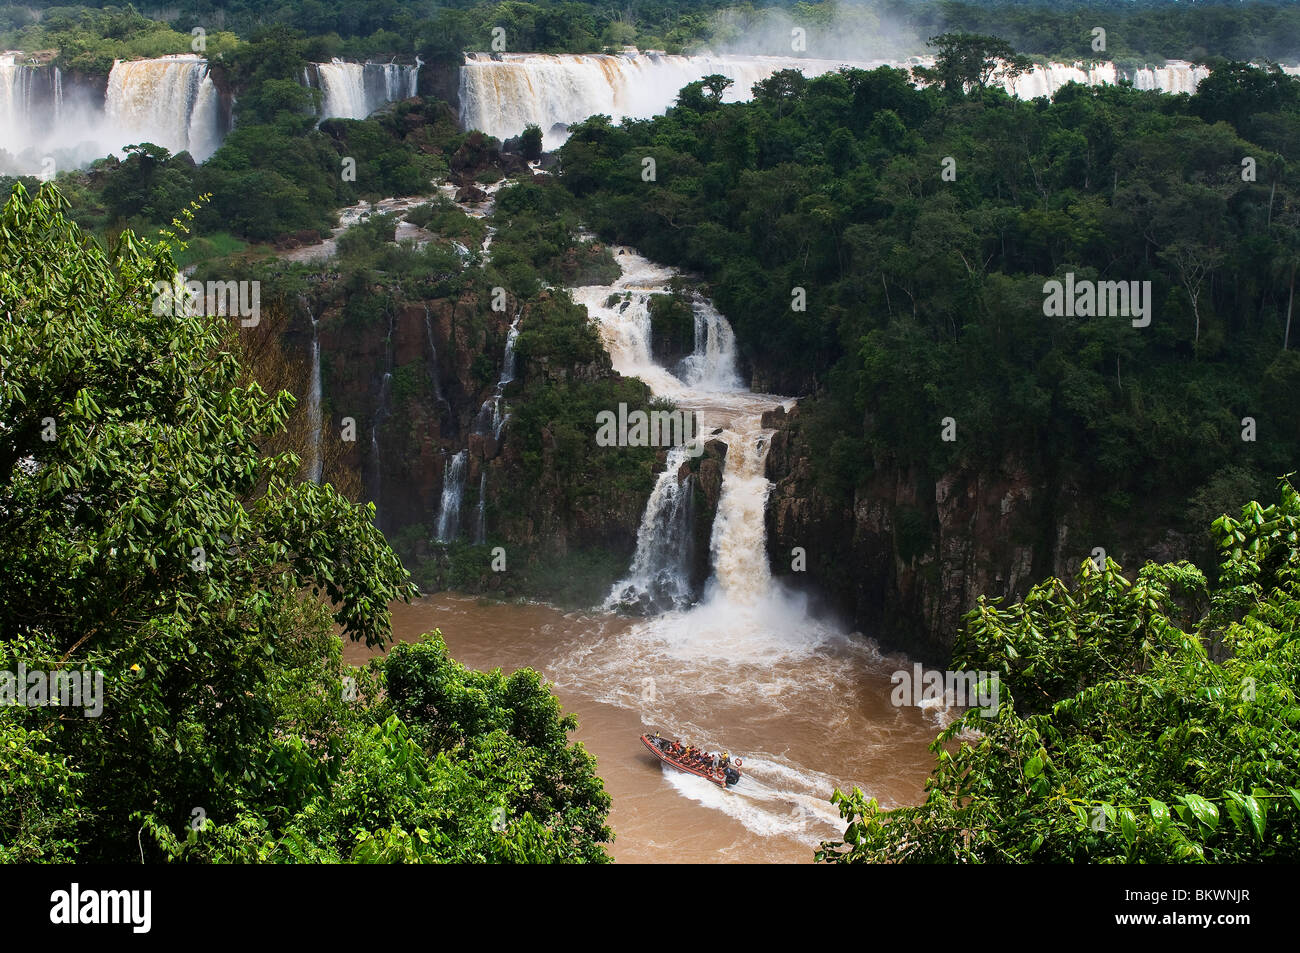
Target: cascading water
453,492
316,464
490,419
501,93
660,576
376,475
170,101
747,652
480,530
709,386
712,365
355,90
31,101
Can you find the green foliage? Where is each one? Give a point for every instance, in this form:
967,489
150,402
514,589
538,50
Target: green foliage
1145,722
968,61
530,142
149,536
924,297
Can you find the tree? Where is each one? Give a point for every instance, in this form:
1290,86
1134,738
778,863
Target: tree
530,142
1149,721
148,533
970,61
145,535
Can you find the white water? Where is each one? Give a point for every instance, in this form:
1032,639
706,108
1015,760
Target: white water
453,491
480,530
355,90
316,464
170,101
659,578
747,652
491,419
501,93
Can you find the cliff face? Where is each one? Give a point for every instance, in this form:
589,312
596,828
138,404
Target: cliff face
406,377
418,380
909,553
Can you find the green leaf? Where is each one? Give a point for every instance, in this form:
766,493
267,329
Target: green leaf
1203,810
1160,813
1256,811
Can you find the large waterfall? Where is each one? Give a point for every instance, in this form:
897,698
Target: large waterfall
355,90
31,103
503,92
708,384
47,125
170,101
744,652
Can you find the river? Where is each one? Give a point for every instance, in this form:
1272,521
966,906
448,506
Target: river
739,666
805,710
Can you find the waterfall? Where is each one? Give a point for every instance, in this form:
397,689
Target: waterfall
435,379
169,101
453,490
660,576
205,121
490,419
1174,77
344,90
741,575
355,90
500,93
316,465
381,415
480,531
31,104
713,365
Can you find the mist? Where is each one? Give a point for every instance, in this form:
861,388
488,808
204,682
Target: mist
853,32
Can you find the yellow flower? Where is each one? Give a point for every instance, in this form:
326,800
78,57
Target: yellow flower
135,668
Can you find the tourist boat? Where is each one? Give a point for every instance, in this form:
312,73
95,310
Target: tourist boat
662,748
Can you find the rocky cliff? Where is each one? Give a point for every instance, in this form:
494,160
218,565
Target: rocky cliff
905,554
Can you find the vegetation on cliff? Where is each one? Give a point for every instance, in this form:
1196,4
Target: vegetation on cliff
148,535
1144,721
884,251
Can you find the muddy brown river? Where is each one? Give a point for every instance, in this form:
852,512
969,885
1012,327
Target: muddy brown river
805,707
